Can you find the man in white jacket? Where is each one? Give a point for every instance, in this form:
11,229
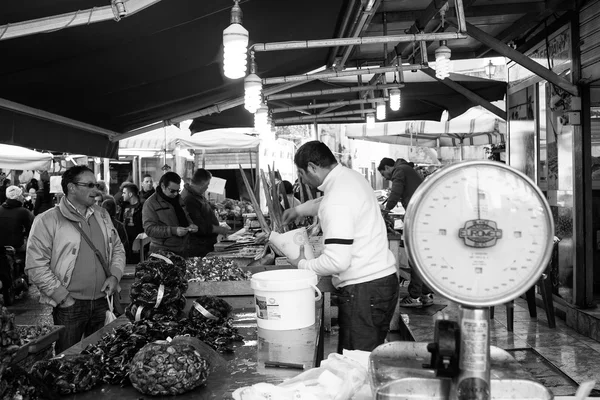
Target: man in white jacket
355,251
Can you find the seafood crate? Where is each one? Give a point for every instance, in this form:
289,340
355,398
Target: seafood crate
42,342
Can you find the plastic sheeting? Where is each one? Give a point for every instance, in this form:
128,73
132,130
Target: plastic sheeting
21,158
473,128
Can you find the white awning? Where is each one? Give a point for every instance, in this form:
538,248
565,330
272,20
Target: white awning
21,158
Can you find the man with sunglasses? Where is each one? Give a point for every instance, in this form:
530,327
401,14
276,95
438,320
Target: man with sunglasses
66,267
165,218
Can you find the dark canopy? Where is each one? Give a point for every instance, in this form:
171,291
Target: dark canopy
165,61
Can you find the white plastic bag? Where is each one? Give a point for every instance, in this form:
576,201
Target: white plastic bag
110,313
338,378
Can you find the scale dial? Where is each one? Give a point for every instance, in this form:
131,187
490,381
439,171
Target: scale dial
480,232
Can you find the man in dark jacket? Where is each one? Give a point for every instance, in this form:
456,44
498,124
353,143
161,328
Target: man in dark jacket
202,242
15,220
405,181
165,220
130,214
147,188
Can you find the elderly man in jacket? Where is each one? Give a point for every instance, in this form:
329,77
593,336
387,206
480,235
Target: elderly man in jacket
405,181
165,218
66,268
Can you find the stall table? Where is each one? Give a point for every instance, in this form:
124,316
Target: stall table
245,367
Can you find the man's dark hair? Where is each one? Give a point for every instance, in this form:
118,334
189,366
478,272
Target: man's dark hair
169,177
385,162
110,206
289,188
72,176
200,176
133,189
315,152
147,176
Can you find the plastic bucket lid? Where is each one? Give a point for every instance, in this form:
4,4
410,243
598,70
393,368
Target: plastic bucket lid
283,280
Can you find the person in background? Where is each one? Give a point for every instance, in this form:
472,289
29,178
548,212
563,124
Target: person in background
202,214
130,214
5,184
355,253
165,218
65,268
292,201
119,196
15,220
147,188
29,202
44,199
33,184
405,181
110,206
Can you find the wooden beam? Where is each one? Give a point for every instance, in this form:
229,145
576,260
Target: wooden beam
518,28
521,59
474,97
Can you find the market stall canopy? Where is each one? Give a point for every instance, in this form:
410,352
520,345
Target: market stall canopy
96,73
20,158
474,127
171,137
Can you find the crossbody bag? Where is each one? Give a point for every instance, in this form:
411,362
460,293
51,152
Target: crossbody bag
118,307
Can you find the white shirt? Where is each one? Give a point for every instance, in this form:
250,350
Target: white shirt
354,234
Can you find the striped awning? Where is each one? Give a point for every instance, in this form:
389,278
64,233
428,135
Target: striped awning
473,128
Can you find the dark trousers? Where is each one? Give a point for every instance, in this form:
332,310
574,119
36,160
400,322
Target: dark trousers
365,311
416,287
80,320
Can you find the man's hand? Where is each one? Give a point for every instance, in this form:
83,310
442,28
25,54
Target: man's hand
290,215
193,228
181,231
301,256
69,301
110,285
222,230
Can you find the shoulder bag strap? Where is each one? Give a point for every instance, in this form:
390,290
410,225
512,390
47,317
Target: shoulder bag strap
96,251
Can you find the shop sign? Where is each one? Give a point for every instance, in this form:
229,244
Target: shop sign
557,49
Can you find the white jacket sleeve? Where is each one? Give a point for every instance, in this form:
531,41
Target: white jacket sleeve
338,236
309,208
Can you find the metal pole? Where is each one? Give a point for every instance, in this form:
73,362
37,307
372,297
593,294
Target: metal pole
338,74
333,114
311,44
327,105
324,92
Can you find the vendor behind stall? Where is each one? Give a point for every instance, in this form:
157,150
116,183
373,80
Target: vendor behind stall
202,214
165,218
355,250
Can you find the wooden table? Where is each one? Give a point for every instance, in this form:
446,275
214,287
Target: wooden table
244,368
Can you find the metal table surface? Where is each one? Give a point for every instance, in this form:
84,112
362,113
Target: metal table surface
246,366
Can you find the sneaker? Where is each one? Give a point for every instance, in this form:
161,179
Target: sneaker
410,302
427,300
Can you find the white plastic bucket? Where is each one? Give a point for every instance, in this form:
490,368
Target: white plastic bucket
289,243
285,299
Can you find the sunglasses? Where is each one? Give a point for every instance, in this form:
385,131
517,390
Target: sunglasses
90,185
173,191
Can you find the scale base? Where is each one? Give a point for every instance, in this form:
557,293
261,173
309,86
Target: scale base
440,389
403,366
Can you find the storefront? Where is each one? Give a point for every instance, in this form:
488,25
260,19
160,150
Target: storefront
555,140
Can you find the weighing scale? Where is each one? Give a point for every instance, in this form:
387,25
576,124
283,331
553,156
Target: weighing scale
481,234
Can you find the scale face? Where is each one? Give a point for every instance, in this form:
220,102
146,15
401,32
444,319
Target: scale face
480,232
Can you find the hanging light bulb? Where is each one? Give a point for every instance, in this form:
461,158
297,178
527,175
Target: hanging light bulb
380,111
370,121
261,119
395,99
442,61
235,44
252,88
